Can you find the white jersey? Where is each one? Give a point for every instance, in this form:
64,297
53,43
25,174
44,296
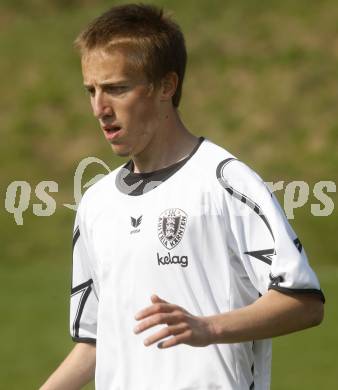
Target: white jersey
211,239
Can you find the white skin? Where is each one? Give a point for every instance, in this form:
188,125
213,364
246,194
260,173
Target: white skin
151,133
274,314
153,136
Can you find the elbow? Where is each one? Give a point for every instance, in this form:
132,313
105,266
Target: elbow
321,314
316,313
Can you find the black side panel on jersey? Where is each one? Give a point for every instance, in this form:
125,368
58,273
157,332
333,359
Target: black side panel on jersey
85,289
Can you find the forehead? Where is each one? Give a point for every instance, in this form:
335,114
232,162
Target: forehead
101,66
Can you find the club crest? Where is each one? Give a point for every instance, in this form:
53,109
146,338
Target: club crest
171,226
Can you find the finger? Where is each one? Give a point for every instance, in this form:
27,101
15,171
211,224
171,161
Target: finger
175,340
156,319
153,309
165,332
156,299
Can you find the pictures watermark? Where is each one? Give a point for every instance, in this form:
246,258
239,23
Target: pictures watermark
296,195
19,192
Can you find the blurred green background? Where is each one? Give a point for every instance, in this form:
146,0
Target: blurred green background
262,81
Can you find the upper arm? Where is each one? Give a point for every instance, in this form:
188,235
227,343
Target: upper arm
309,307
261,237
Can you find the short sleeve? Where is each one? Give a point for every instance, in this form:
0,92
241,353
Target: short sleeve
260,234
84,299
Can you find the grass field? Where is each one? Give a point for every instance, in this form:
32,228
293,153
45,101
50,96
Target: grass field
261,81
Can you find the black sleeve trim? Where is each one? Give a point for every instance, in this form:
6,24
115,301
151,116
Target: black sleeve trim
299,290
84,340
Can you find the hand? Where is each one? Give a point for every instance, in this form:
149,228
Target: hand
181,325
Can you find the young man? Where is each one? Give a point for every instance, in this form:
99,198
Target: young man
184,265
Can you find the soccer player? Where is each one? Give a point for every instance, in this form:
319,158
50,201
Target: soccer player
184,265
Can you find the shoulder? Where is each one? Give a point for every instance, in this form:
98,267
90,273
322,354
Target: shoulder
228,170
99,194
245,190
234,174
237,187
211,154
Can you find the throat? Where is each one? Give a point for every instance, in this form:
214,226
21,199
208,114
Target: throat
165,157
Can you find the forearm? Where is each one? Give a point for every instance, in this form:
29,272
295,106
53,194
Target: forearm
75,371
273,314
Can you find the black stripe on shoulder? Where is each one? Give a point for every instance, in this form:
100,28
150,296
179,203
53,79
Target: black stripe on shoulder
88,340
221,165
298,244
239,196
298,291
76,236
81,286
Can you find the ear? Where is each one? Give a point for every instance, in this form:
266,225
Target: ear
168,86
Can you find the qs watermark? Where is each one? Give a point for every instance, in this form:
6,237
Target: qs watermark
19,193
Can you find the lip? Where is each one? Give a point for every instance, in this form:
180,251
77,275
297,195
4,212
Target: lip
111,134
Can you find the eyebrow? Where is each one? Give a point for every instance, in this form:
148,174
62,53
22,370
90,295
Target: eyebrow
108,83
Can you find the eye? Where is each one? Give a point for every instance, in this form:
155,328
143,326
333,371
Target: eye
116,89
90,91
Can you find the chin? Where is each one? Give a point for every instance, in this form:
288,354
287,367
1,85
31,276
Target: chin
120,151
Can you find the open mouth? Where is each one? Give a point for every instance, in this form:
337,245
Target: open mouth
112,132
111,129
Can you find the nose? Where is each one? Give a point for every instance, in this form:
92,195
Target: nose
101,106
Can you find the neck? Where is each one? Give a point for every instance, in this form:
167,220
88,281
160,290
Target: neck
170,144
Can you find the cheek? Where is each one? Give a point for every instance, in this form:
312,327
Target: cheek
92,105
139,111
